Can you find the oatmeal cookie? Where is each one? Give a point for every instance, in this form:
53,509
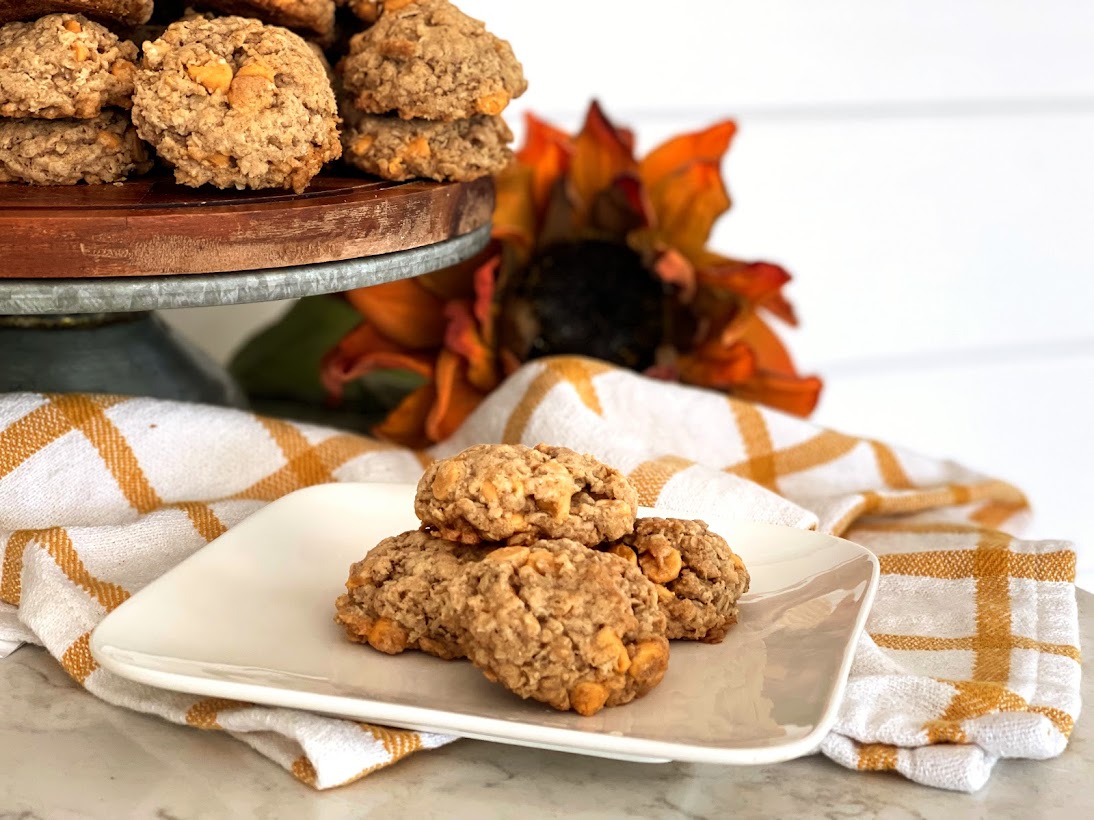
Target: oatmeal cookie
699,578
561,623
121,12
65,152
63,65
518,494
311,16
399,149
394,594
236,104
428,60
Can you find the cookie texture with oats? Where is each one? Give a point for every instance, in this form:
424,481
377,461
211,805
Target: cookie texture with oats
425,59
310,16
699,578
394,595
399,149
63,65
66,152
120,12
234,103
516,494
562,624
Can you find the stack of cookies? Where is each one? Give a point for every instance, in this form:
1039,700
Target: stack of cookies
423,90
235,103
531,564
66,83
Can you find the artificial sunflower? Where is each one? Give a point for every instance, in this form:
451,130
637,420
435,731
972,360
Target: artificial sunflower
594,252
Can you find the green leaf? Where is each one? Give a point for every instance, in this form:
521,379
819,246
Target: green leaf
282,360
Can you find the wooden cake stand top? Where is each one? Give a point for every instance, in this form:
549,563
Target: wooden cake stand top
153,227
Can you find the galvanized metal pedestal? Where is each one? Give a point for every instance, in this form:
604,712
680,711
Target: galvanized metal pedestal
99,335
82,268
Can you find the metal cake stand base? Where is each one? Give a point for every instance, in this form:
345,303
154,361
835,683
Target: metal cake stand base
100,336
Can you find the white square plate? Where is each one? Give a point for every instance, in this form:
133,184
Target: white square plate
250,617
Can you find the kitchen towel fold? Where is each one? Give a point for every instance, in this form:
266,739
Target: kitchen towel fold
971,651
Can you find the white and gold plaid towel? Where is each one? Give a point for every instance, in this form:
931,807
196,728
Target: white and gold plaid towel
972,652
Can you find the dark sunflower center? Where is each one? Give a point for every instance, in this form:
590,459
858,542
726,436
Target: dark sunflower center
586,297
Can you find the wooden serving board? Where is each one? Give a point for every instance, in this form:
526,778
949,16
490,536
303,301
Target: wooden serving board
151,226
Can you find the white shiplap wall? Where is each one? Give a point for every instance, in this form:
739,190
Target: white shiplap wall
923,167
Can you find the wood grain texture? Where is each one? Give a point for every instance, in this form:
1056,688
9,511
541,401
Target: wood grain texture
151,226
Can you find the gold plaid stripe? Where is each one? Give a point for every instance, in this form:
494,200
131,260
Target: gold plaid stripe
11,581
205,521
87,415
923,643
888,465
572,370
306,465
759,465
204,713
304,771
817,451
397,742
891,502
877,757
77,659
973,699
993,514
29,434
953,564
650,477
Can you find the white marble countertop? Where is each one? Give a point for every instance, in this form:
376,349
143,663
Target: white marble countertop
65,754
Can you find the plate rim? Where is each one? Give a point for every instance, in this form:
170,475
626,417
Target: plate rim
125,664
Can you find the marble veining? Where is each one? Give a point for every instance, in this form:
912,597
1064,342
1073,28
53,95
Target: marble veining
64,754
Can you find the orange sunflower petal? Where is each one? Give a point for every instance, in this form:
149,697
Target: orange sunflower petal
464,338
688,202
601,154
791,394
405,424
362,350
546,151
716,366
780,307
515,211
706,146
403,311
771,355
456,398
753,280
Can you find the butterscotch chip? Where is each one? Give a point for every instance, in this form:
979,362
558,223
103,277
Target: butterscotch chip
428,60
517,494
310,16
66,152
122,12
63,65
699,577
580,631
399,149
394,594
234,103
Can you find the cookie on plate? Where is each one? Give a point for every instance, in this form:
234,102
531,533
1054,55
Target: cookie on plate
63,65
393,596
66,152
399,149
312,16
563,624
234,103
428,60
699,577
122,12
516,494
